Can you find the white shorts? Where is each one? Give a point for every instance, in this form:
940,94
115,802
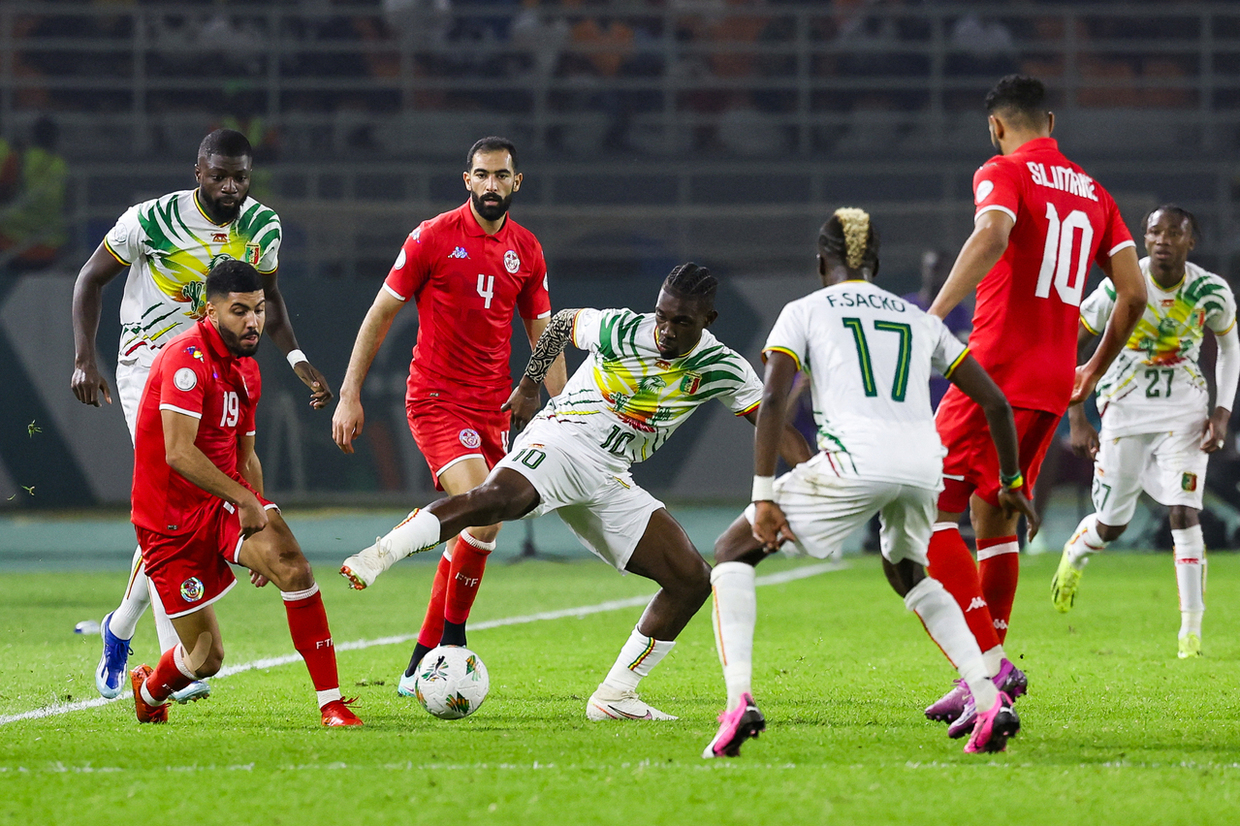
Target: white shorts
603,507
130,382
1170,467
823,508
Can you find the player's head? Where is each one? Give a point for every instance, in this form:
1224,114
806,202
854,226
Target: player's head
225,161
236,306
491,176
685,308
847,247
1017,112
1170,235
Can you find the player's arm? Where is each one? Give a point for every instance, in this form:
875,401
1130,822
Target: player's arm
557,375
349,417
1083,438
1226,380
185,458
248,465
982,250
976,383
99,269
770,526
548,350
1125,274
280,330
793,448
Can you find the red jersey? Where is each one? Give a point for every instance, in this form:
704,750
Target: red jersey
194,374
466,284
1025,322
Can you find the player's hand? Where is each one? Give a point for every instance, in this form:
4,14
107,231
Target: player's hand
252,514
522,405
320,393
1214,434
770,526
1015,501
1083,384
1084,440
88,385
347,423
257,579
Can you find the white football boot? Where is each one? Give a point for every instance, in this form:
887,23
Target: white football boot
364,567
609,704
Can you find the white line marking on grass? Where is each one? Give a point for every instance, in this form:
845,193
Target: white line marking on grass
780,578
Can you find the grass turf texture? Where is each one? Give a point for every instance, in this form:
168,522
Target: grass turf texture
1115,728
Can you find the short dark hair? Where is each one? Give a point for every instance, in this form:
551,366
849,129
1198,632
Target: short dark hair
1177,210
692,281
494,143
232,276
1021,96
226,142
849,237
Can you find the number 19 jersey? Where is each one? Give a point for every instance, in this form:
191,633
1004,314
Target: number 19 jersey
868,354
1024,324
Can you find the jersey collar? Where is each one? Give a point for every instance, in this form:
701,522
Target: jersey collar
215,343
1037,144
206,217
471,227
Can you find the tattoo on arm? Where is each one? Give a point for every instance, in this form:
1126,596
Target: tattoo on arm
550,344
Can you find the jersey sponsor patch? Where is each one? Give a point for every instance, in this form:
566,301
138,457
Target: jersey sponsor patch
185,379
512,262
470,438
191,589
983,189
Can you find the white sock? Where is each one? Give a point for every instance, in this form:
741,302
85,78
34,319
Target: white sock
994,659
328,695
125,618
1085,541
419,532
735,614
944,622
1190,568
168,636
638,656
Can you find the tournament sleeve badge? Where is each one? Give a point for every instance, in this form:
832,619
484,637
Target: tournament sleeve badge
185,379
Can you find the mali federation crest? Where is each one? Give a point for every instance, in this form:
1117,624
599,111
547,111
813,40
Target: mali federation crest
690,383
253,253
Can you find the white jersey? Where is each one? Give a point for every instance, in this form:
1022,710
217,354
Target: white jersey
869,355
628,400
169,245
1156,380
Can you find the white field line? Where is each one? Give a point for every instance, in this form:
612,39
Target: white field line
271,662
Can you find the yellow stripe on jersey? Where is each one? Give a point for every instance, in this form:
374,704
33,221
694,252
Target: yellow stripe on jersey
1085,324
108,247
749,409
783,350
204,214
1228,330
951,368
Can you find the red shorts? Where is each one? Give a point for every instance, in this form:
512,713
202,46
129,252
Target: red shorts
972,465
190,570
447,434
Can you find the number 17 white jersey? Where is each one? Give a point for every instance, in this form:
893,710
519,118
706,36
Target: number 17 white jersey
869,356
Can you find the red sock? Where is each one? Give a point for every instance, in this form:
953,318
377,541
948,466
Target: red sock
169,675
998,562
952,565
469,560
432,626
307,623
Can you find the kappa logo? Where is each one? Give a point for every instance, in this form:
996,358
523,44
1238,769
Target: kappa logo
512,263
470,438
191,589
416,235
1000,625
459,252
977,602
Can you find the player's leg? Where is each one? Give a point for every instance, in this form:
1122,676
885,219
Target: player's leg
1119,470
275,553
198,654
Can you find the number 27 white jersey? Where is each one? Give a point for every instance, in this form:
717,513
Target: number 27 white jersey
869,356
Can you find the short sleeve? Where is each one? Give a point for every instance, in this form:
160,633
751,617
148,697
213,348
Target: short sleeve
788,336
254,388
1221,309
948,350
534,300
1096,308
183,382
125,240
269,246
748,392
587,327
1115,234
996,186
412,266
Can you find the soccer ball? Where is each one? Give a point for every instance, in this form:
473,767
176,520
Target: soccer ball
452,682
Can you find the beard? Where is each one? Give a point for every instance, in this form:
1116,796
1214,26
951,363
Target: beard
491,210
236,346
226,214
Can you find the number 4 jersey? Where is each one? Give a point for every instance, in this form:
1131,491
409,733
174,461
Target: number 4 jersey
1156,383
868,354
1024,324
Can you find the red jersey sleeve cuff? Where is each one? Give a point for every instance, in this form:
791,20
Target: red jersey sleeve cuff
1121,245
393,293
994,207
181,410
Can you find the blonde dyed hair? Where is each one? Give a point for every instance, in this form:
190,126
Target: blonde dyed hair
856,225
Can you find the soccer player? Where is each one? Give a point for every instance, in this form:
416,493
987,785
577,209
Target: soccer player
169,244
468,270
198,503
872,355
645,375
1039,222
1157,428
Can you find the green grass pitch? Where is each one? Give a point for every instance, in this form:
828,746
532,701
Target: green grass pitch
1116,729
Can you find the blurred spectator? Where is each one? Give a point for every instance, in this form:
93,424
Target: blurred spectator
978,47
32,223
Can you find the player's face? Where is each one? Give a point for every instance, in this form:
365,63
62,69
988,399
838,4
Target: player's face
679,322
491,181
223,184
1168,240
240,318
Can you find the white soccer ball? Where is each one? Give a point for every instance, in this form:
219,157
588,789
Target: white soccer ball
452,682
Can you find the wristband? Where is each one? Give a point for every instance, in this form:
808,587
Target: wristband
1012,482
296,357
763,489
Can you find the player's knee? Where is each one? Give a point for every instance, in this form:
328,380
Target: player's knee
1110,533
213,663
1181,517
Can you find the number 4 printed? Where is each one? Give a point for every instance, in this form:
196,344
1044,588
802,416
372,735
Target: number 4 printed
486,289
